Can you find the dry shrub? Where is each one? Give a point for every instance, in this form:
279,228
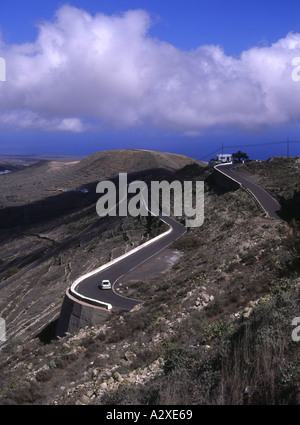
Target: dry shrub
257,358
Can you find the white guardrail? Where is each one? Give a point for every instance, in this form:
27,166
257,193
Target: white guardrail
229,177
73,287
245,188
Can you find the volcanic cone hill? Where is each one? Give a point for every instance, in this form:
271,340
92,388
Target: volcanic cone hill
46,178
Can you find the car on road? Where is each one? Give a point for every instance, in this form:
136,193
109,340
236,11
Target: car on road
105,284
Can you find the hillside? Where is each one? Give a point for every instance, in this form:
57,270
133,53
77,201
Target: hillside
280,176
217,322
48,239
47,178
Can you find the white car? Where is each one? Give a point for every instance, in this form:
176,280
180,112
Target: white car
105,284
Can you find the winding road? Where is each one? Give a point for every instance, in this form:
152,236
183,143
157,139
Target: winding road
89,286
86,288
267,202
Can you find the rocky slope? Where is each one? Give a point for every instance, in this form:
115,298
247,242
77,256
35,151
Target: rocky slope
218,322
47,178
49,239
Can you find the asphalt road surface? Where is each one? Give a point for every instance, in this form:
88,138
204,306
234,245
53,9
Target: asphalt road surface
89,287
269,204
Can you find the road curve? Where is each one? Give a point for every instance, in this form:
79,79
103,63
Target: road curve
268,203
89,287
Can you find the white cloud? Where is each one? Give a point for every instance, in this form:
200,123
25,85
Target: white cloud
85,69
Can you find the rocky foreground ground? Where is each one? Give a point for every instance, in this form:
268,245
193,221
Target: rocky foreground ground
217,322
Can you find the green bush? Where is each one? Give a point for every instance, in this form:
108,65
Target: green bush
44,375
176,358
214,308
11,272
187,243
28,393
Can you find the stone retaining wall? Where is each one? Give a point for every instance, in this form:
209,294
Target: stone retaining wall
76,314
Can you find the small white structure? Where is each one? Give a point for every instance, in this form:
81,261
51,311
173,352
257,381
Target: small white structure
224,157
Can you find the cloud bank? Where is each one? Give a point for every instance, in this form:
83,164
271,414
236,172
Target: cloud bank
102,71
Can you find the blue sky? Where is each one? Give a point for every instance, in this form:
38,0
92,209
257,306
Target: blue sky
171,75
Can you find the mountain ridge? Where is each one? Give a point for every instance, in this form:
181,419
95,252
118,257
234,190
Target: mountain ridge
217,322
36,180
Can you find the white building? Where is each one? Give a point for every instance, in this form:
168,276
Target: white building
224,157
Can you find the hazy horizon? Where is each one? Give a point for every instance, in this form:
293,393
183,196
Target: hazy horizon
176,77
